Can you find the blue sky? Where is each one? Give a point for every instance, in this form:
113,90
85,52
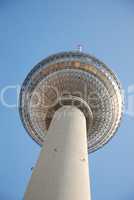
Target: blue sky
31,30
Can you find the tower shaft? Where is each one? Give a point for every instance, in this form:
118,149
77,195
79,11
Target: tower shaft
62,170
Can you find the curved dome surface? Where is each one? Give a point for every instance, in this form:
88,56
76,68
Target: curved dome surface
75,75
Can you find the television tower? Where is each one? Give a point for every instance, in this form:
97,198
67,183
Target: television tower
71,104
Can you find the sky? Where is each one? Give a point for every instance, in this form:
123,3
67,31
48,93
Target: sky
32,30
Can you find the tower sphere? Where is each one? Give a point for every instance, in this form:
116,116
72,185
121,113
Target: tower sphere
72,78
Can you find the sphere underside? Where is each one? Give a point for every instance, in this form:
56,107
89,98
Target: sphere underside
72,78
